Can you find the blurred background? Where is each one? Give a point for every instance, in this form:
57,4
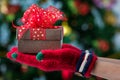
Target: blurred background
92,24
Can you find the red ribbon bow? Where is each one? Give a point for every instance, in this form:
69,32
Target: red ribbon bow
37,17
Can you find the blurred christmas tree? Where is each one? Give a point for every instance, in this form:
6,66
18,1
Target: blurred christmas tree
92,24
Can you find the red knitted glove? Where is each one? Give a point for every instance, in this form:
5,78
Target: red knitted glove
52,60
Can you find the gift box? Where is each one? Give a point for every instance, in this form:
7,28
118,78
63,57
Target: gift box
31,44
39,31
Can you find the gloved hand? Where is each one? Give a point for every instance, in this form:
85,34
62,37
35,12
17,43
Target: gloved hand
65,58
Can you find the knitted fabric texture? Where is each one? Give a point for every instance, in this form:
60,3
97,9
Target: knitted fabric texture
65,58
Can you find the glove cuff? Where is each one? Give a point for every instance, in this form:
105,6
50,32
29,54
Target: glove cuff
86,63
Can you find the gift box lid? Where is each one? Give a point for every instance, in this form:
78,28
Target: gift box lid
50,34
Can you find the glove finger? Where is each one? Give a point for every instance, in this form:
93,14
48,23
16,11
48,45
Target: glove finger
63,55
14,55
46,65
